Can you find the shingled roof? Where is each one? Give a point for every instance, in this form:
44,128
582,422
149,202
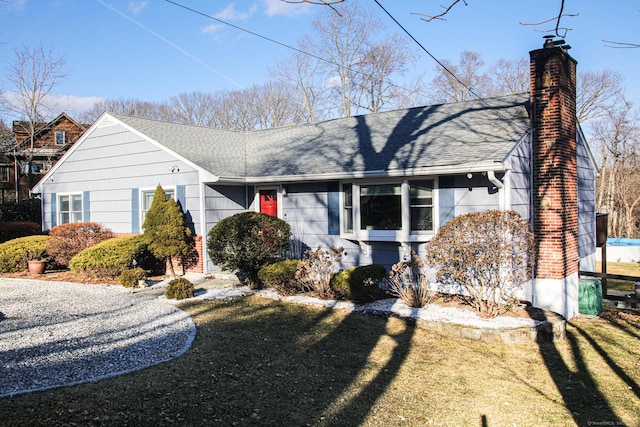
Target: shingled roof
407,141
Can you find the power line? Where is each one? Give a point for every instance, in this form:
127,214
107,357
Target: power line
444,67
271,40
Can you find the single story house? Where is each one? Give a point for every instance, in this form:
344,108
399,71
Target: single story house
379,185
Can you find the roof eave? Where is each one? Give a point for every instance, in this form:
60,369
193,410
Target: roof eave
396,173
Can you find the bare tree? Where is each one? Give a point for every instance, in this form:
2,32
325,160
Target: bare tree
598,93
380,63
301,72
343,39
33,75
460,82
196,108
617,134
129,107
509,77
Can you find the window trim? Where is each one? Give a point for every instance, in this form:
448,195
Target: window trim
142,191
60,211
404,234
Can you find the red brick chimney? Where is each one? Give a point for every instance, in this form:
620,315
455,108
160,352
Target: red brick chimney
555,179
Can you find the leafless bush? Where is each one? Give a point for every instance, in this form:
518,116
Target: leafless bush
408,280
487,255
315,272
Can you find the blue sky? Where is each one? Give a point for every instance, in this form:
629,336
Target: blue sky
152,49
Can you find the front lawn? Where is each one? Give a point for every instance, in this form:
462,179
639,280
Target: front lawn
257,362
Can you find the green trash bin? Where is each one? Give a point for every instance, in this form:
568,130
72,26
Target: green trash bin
590,297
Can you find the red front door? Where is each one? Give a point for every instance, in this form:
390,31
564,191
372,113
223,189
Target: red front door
269,202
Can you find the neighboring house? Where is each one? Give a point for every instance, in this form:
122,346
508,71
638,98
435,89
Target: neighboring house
380,185
50,141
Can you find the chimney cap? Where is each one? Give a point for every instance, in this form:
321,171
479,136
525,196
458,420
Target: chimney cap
549,42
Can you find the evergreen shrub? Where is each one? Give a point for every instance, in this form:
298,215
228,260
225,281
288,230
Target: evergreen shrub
129,278
15,253
360,284
247,242
281,276
111,257
180,288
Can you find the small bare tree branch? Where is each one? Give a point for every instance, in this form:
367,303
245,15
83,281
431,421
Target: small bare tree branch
429,18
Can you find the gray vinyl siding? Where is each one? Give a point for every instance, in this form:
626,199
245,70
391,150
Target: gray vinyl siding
519,162
107,165
224,201
306,208
475,194
586,201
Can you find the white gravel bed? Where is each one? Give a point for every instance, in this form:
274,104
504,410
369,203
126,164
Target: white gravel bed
56,334
393,306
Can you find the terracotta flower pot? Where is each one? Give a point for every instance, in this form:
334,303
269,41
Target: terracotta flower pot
37,266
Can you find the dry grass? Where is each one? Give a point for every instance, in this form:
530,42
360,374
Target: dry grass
623,268
257,362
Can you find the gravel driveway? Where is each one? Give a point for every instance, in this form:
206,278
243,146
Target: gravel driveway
56,334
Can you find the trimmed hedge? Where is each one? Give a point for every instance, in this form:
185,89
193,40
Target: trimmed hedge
360,284
15,253
15,229
281,276
111,257
180,288
247,242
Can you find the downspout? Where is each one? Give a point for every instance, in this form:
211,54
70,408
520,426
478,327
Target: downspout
500,185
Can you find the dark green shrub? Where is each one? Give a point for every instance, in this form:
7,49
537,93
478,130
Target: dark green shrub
68,240
247,242
26,210
360,284
14,229
130,278
281,276
180,288
111,257
165,229
15,253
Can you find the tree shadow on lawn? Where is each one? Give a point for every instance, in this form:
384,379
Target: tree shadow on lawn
576,379
253,362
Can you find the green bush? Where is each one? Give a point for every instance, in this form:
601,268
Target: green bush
15,253
247,242
68,240
111,257
360,284
130,278
180,288
281,276
26,210
14,229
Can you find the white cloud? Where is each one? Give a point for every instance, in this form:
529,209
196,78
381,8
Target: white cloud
56,104
212,28
135,7
279,7
230,13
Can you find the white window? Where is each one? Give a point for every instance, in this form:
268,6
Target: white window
60,138
388,210
69,208
146,198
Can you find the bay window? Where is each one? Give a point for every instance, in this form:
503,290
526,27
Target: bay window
388,210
